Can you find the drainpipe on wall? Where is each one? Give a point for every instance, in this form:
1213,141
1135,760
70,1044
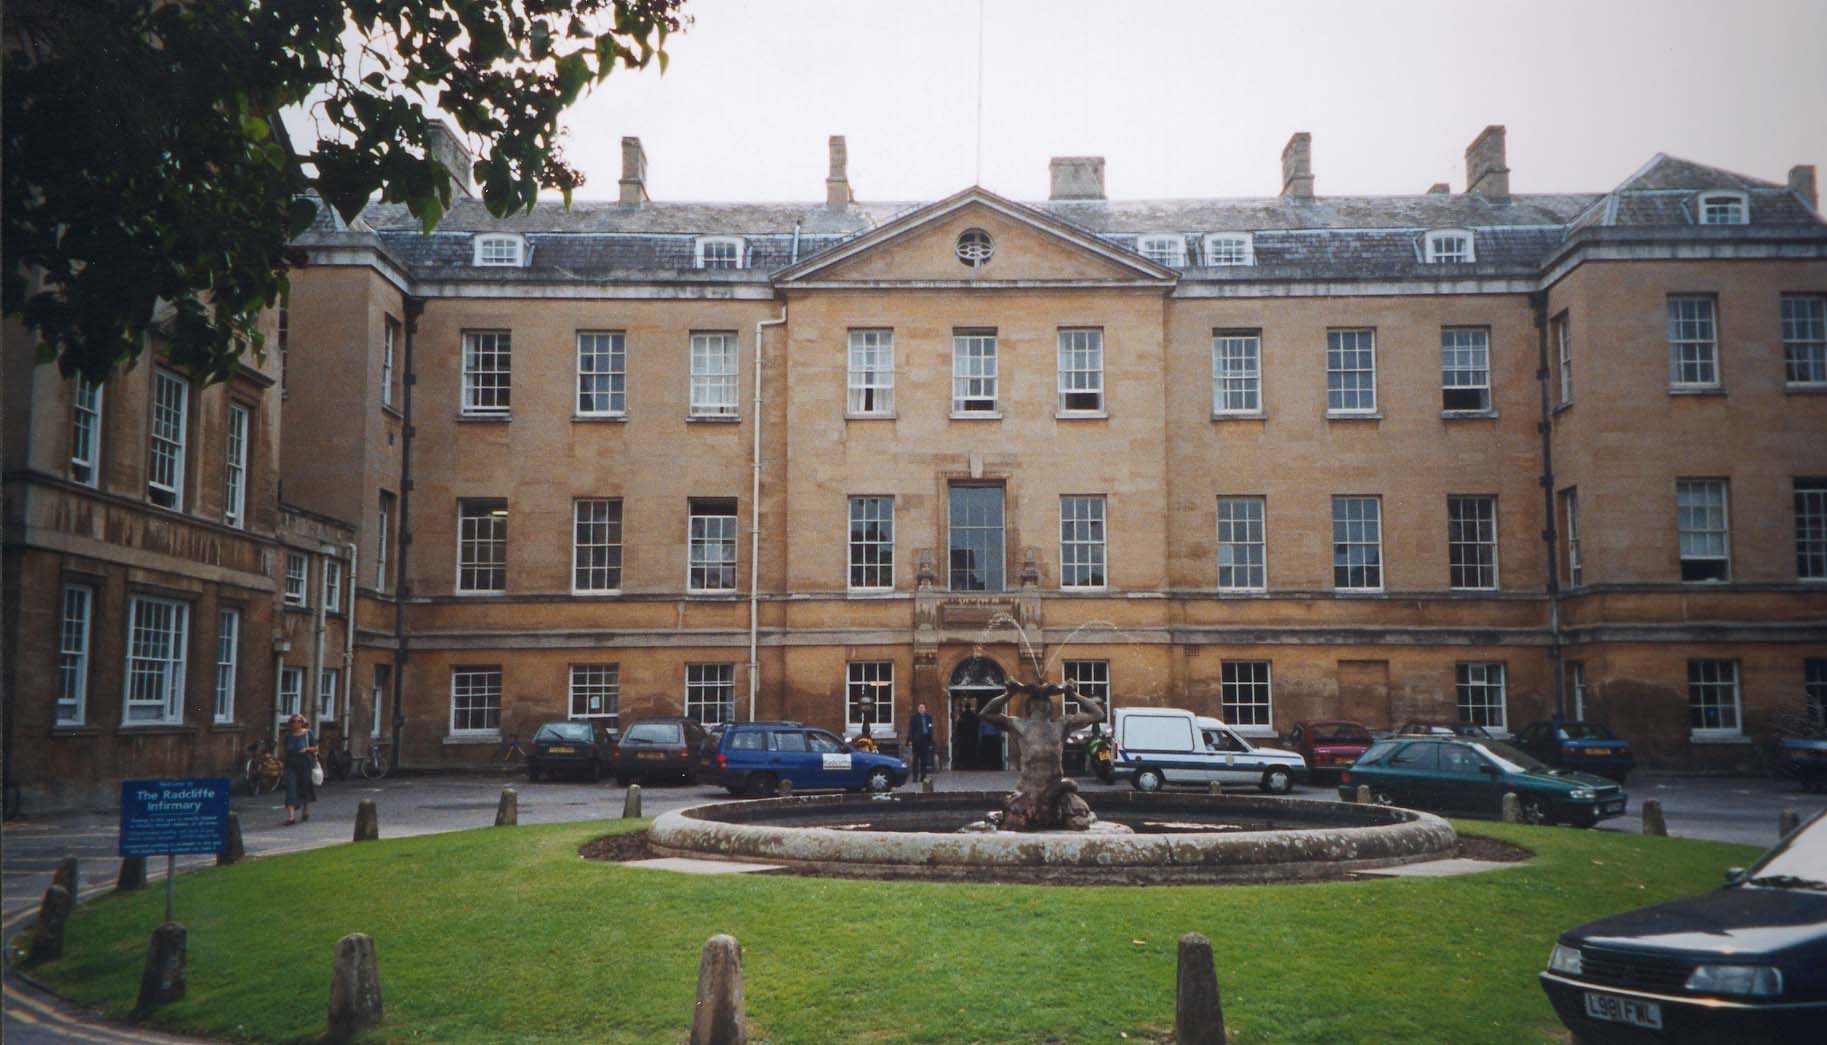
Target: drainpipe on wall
319,621
755,524
1538,302
403,543
349,650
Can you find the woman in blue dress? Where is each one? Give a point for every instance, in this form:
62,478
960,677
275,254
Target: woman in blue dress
300,756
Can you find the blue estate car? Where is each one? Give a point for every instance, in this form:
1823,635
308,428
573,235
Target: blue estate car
754,757
1586,746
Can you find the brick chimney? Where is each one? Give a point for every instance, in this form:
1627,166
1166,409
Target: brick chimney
448,149
1801,182
1076,178
1297,167
634,172
1485,170
837,184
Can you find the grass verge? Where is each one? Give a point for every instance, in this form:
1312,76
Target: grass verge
508,935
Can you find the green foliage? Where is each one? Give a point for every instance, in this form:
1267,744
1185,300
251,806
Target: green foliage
503,934
147,191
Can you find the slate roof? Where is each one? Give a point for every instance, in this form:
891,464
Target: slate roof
1328,237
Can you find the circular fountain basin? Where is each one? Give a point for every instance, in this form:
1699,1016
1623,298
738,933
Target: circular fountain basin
1176,839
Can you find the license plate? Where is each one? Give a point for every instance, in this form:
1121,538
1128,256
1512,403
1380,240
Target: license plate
1613,1009
1612,807
650,754
1597,752
561,750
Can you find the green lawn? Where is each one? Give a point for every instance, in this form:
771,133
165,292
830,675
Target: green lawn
505,934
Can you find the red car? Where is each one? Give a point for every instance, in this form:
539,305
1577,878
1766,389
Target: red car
1329,746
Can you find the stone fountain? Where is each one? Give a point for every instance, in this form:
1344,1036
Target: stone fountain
1044,799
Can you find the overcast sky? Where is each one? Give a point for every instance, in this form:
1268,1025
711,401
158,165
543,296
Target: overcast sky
1196,98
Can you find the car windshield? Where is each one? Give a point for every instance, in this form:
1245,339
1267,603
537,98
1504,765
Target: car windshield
1376,753
1797,862
1340,733
565,731
653,733
1513,759
1584,731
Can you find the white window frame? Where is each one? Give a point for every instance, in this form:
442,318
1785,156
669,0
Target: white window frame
377,699
1465,366
710,686
1218,252
167,661
869,380
1576,684
85,432
702,539
596,545
1714,676
1693,342
1722,207
1081,371
1167,249
1084,563
166,437
1338,356
476,684
1090,677
234,472
1810,496
1260,683
390,332
1438,250
383,514
1576,572
871,543
1236,373
1703,525
1563,343
602,373
1814,690
228,647
500,250
715,365
976,359
290,700
1244,541
473,515
601,683
1474,683
488,373
297,579
1478,512
1344,537
737,249
76,615
875,677
1804,323
333,584
328,682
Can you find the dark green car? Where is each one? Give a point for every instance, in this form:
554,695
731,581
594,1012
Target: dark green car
1453,776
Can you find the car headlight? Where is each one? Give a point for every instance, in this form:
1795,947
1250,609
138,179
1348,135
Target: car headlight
1564,959
1582,794
1759,981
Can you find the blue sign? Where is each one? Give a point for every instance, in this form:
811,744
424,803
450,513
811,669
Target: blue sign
161,817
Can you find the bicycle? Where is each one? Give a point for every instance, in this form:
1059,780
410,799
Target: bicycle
374,764
510,751
262,770
339,763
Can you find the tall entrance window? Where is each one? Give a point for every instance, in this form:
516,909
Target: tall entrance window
976,538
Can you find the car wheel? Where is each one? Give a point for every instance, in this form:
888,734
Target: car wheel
532,775
596,772
761,785
1148,780
880,780
1532,810
1383,798
1278,781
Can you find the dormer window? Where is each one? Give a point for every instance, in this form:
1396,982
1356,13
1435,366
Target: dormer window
719,252
1163,248
1724,208
1450,247
1229,248
500,250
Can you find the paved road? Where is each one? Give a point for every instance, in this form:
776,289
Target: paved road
1722,808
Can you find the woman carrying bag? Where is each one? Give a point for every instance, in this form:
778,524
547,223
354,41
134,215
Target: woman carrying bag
300,760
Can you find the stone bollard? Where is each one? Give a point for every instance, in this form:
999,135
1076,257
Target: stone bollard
1786,823
784,789
47,931
1363,794
1198,1013
717,1018
1214,788
1653,824
367,821
631,803
133,875
355,987
507,813
1512,808
232,849
163,978
68,875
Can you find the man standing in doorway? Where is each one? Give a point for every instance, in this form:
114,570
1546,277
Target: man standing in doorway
920,736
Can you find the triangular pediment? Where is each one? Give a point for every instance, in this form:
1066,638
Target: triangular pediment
1028,248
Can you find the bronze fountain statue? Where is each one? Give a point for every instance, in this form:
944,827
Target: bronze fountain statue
1044,798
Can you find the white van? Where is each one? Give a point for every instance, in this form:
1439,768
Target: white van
1157,746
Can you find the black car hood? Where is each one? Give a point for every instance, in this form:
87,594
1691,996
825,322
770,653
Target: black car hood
1737,921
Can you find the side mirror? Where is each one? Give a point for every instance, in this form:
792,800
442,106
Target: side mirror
1734,875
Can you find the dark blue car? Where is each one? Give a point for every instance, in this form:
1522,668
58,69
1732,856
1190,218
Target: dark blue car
1585,746
754,757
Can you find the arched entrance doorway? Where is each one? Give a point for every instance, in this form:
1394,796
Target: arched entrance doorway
974,683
